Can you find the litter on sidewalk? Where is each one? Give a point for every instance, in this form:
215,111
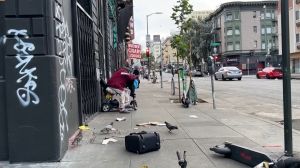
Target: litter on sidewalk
153,123
193,116
121,119
106,141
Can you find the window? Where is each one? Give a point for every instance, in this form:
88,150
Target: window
297,15
273,15
263,45
229,46
229,32
269,30
228,16
236,15
268,15
255,43
262,15
237,45
254,14
297,1
297,38
255,29
262,30
237,31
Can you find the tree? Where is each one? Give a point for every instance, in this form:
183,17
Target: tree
200,37
179,15
180,42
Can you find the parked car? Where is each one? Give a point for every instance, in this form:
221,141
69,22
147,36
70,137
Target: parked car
270,73
196,72
229,72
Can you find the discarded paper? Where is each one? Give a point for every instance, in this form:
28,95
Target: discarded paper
121,119
153,123
193,116
106,141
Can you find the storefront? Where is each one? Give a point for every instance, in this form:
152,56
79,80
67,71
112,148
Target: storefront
295,63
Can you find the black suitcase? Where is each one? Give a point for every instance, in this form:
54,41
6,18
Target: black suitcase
142,142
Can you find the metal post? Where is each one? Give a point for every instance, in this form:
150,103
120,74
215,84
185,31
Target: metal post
149,61
248,65
213,86
149,64
178,76
265,25
161,64
288,135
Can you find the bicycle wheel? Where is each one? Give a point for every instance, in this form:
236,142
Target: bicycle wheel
172,87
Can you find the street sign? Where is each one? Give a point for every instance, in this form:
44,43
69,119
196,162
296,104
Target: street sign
215,44
148,44
147,40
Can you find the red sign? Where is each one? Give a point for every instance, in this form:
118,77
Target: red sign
134,51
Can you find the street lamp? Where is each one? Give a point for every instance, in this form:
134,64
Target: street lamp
148,40
266,39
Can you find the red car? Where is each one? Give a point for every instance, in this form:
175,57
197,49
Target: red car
270,73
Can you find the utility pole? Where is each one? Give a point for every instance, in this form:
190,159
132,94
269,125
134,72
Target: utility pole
148,41
287,110
161,65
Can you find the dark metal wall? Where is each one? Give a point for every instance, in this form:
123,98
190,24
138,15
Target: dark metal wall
3,123
41,89
87,76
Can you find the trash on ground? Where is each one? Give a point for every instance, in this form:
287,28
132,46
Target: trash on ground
193,116
153,123
121,119
135,128
84,127
272,145
106,141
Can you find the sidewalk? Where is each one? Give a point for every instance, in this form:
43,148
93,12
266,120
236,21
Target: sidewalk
195,135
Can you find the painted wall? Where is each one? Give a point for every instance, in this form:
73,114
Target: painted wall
41,89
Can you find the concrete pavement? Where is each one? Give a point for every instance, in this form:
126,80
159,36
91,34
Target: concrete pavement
195,135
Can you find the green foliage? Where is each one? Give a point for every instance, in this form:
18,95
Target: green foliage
200,37
180,12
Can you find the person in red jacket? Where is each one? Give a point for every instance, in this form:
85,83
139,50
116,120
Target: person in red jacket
119,81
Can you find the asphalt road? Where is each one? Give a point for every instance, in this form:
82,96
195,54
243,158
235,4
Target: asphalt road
259,97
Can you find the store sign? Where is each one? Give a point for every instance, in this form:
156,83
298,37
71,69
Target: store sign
232,60
134,51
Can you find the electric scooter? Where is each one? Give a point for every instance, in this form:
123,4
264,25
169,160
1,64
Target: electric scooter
254,158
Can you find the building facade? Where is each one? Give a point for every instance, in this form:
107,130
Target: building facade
156,48
53,54
169,53
294,25
200,15
245,35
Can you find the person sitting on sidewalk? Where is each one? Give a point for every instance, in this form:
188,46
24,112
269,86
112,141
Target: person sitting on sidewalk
119,81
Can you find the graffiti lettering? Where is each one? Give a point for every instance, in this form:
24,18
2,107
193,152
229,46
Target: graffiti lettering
65,50
26,94
3,40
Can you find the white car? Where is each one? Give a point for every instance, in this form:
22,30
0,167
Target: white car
229,72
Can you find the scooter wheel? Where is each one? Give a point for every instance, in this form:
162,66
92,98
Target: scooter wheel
105,107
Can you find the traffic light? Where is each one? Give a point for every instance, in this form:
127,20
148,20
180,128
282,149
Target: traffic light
210,60
127,35
147,52
210,64
216,58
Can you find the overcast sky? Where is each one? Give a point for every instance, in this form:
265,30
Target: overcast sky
162,24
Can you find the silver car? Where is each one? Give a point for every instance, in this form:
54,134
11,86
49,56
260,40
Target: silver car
229,72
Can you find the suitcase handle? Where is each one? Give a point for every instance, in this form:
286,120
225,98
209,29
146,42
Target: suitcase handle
142,132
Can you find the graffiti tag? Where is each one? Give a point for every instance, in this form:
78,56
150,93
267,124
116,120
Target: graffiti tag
25,94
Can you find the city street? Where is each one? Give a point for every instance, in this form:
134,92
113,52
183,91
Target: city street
259,97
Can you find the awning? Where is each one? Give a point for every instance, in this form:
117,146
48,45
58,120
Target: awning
124,17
